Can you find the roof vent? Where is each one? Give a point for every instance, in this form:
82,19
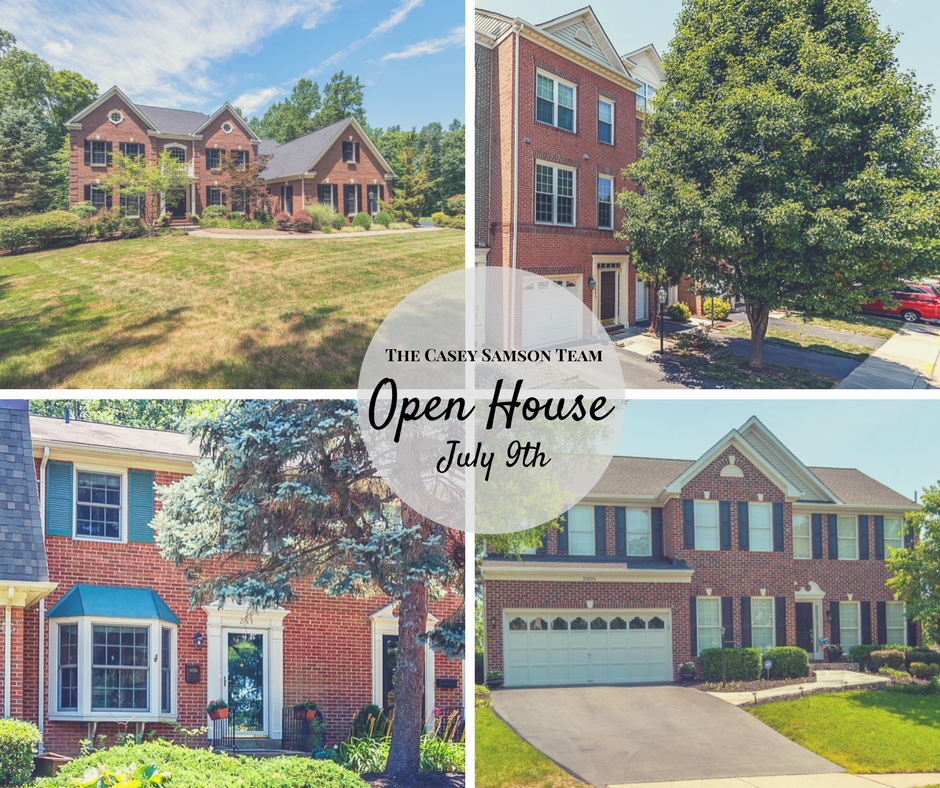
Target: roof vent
582,35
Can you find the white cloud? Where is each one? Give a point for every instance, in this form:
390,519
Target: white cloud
58,49
251,101
429,47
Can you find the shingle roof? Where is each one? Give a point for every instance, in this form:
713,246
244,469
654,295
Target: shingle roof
174,121
21,542
94,435
294,157
855,488
641,476
267,146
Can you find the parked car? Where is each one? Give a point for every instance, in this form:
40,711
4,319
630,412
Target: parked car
912,302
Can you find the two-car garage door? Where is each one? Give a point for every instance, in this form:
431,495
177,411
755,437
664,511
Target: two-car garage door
587,646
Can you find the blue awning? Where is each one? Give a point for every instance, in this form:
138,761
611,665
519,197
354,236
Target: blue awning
112,602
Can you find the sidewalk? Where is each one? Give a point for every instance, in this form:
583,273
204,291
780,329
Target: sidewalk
825,679
803,781
906,361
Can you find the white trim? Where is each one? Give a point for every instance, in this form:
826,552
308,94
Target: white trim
574,194
539,571
717,527
112,113
809,537
556,81
108,94
365,138
750,541
903,641
698,627
854,519
858,629
609,178
613,122
76,453
773,621
593,25
235,115
110,470
814,596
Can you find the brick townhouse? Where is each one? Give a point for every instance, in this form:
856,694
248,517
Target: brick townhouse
337,164
663,553
98,628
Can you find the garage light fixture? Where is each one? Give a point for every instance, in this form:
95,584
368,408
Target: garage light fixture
591,283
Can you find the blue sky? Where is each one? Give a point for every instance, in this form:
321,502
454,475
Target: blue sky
635,23
196,54
890,440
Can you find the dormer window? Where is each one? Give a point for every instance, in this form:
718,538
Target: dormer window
227,127
116,116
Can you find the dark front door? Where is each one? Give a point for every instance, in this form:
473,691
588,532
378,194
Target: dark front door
608,295
389,666
804,626
288,199
177,209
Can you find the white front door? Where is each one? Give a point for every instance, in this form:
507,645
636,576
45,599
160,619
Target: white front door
641,299
246,680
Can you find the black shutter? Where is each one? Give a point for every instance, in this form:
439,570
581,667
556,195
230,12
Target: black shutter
863,537
87,193
87,152
247,157
122,147
780,621
817,536
600,530
656,526
835,633
880,538
881,610
688,523
778,527
563,535
911,634
865,612
336,197
744,536
620,529
724,523
745,622
107,199
727,619
542,548
833,521
693,626
358,197
141,151
908,536
109,153
357,153
382,192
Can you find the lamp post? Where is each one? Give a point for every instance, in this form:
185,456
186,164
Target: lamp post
724,679
661,296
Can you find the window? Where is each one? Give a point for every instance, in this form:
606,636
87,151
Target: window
115,116
350,152
132,149
99,152
708,622
847,532
896,625
166,672
638,532
760,527
98,505
706,525
241,158
119,668
554,102
68,667
605,121
802,536
849,625
227,127
605,203
324,193
581,531
213,158
349,199
644,95
372,192
214,196
130,205
894,535
554,195
239,200
762,622
98,197
177,153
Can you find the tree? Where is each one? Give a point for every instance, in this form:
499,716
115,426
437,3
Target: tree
152,183
242,184
23,167
916,569
412,183
155,414
288,119
453,161
342,97
802,151
287,494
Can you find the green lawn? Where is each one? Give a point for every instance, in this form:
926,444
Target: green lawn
772,376
877,732
855,324
503,760
182,312
830,347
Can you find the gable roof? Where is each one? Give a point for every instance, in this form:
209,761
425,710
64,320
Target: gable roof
108,94
239,119
582,31
174,121
94,436
855,488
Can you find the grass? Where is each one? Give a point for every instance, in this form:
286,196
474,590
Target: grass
877,732
855,324
829,347
183,312
771,377
503,760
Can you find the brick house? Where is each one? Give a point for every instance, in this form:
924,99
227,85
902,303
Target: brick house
663,553
338,164
559,115
98,628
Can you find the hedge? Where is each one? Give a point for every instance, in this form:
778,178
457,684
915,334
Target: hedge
384,218
888,658
789,662
741,664
39,229
204,769
439,218
862,655
721,308
19,742
362,220
922,655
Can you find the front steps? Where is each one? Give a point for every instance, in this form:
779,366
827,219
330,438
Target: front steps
260,747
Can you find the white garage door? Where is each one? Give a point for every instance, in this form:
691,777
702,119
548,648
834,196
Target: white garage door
586,647
549,314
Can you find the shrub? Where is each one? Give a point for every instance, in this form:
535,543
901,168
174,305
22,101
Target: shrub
679,311
918,670
19,742
401,226
328,229
302,223
741,664
789,662
83,209
439,218
370,720
265,217
354,228
721,308
131,228
457,204
235,214
321,213
43,228
384,218
362,220
338,221
194,218
862,655
933,670
888,658
482,698
440,754
13,235
922,655
281,220
213,211
456,222
107,223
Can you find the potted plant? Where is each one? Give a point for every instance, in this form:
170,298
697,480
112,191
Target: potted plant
687,671
494,679
217,710
305,710
833,652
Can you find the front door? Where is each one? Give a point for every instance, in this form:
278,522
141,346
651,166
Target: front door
287,199
608,295
177,209
389,666
804,627
245,681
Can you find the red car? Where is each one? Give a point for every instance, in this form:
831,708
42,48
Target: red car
913,302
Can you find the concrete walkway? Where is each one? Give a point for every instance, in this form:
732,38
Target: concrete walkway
825,679
283,236
803,781
906,361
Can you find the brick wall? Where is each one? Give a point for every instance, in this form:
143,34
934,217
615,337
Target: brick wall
483,98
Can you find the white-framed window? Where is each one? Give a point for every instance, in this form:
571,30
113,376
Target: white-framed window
760,527
706,525
99,152
849,622
132,149
847,534
554,101
644,95
581,531
707,622
99,504
605,121
227,127
639,540
177,153
802,536
106,666
762,622
605,202
554,194
895,624
214,196
130,206
894,534
116,116
241,158
99,197
213,158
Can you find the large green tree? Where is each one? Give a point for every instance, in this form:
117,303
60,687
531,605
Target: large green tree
801,150
413,180
24,169
288,119
155,414
342,96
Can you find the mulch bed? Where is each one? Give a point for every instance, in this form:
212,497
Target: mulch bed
419,780
749,686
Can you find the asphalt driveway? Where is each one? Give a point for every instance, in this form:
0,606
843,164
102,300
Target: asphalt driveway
611,735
